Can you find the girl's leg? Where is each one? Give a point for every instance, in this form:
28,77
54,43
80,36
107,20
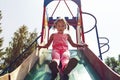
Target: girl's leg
54,64
56,56
67,63
70,66
54,70
65,59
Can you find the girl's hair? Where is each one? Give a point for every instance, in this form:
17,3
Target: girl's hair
61,19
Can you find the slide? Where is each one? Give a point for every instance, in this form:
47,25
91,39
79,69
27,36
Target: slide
83,71
89,67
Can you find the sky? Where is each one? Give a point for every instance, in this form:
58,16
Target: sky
16,13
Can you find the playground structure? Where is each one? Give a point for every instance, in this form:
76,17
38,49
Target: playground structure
92,66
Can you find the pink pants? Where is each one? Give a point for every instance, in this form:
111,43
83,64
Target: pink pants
63,56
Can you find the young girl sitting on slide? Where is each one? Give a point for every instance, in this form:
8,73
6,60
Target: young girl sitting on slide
60,52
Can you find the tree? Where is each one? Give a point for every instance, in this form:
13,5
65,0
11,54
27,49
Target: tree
1,39
1,49
21,40
113,64
119,58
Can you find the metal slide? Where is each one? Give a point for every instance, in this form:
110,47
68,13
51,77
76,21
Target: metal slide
83,71
90,67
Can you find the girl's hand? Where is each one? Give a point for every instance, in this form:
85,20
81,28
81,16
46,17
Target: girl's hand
84,45
39,47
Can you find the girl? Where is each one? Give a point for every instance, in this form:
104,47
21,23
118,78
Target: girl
60,52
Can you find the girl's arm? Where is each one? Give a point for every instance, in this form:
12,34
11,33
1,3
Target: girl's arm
73,44
48,44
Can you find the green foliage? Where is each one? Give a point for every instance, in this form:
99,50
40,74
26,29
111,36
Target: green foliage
20,41
1,43
1,49
1,38
113,63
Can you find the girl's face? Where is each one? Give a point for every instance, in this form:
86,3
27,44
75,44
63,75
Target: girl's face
60,26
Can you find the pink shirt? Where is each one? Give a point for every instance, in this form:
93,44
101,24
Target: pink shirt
60,42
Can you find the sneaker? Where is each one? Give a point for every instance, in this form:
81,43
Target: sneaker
71,65
54,75
64,77
53,67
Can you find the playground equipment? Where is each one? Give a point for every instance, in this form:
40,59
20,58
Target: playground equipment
90,67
